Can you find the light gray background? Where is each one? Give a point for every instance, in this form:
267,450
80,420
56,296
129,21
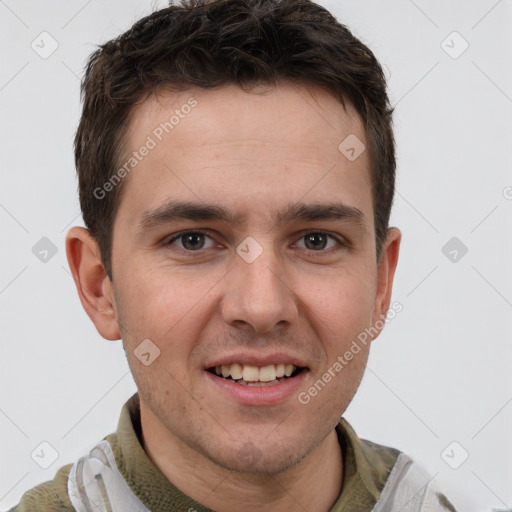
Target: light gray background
441,370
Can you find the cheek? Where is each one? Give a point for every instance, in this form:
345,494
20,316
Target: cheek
158,299
342,302
168,308
347,380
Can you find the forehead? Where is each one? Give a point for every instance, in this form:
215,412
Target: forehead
287,113
255,150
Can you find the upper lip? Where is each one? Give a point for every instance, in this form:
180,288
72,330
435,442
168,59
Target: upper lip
256,360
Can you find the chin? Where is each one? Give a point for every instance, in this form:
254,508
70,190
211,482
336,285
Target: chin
254,462
260,457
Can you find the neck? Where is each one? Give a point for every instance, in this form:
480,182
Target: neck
313,484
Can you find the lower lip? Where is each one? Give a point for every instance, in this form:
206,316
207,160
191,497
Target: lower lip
259,395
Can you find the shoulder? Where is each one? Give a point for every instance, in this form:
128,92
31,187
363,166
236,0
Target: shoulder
411,489
51,496
391,479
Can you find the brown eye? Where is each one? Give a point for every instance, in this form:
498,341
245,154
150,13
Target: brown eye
191,240
315,241
318,240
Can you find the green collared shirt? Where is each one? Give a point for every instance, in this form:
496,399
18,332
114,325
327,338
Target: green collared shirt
366,469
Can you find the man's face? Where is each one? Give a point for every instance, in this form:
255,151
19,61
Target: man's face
259,290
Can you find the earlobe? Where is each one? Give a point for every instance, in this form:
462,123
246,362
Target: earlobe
385,274
92,283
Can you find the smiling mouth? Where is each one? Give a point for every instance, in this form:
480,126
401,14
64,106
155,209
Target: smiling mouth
249,375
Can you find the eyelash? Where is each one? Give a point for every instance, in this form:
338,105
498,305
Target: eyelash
341,241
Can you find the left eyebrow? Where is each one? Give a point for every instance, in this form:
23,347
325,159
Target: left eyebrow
323,211
188,210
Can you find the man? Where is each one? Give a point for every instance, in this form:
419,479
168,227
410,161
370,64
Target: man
236,173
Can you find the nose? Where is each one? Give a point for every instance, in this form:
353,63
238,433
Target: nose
257,295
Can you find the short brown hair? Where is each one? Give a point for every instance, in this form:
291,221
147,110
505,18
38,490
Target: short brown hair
210,43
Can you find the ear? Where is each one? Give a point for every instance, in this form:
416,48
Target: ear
93,285
385,273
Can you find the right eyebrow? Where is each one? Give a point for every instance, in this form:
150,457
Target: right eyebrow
187,210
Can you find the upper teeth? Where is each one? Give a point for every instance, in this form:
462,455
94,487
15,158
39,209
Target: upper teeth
253,373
